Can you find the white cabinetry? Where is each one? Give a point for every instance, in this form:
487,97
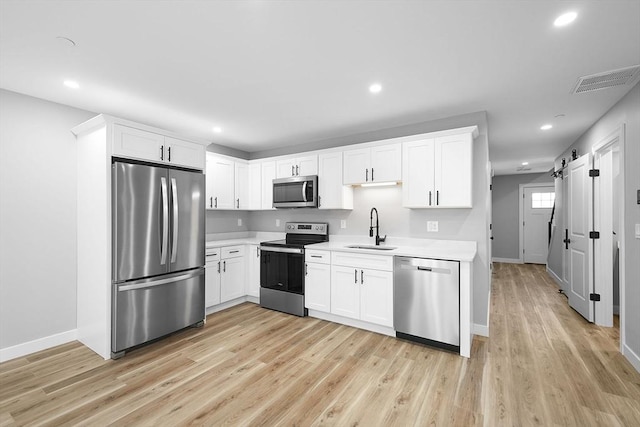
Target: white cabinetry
253,261
255,186
131,142
241,185
317,286
227,183
332,193
232,273
297,166
362,287
268,175
437,172
212,278
381,163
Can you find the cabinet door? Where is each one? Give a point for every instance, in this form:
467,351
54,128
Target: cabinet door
356,166
253,287
417,174
307,165
222,182
286,168
345,292
209,180
212,283
317,287
255,187
233,278
453,171
184,153
331,192
268,175
138,144
376,297
386,163
241,186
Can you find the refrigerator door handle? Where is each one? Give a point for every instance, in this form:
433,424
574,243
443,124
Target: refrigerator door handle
165,220
146,283
174,201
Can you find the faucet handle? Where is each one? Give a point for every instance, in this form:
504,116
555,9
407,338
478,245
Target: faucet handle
370,231
382,239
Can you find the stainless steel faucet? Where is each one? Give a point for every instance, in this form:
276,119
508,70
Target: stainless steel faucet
377,226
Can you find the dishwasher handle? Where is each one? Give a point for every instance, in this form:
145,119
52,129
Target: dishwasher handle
425,268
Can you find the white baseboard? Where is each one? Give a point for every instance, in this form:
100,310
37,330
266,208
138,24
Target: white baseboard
507,260
353,323
555,277
37,345
631,357
481,330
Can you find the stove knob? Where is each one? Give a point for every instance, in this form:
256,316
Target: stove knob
317,228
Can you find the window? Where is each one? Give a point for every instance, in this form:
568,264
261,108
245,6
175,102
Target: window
542,200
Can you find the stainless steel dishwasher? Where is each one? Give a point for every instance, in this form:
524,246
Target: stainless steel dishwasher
426,301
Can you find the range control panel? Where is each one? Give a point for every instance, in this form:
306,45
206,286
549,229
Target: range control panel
307,228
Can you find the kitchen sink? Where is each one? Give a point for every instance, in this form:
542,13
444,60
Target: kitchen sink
376,248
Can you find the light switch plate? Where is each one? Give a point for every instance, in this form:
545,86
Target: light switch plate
637,231
343,223
239,222
277,223
432,226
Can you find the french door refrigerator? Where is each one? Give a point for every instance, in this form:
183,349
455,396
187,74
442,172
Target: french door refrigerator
158,252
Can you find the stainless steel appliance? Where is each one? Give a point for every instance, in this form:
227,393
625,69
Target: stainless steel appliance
157,252
426,301
282,267
296,192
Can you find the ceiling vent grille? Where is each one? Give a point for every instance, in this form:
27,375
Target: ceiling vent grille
523,168
607,79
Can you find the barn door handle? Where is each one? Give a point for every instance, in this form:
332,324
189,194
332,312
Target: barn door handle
566,240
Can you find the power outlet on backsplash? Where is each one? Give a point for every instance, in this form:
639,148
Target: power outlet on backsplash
432,226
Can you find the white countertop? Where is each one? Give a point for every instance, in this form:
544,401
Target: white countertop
247,238
455,250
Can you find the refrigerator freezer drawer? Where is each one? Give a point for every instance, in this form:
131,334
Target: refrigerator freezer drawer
144,310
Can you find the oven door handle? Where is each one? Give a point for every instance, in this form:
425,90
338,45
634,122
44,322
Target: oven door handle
285,250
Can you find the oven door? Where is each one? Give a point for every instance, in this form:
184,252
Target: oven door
282,269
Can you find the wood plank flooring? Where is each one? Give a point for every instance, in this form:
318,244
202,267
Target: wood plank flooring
543,365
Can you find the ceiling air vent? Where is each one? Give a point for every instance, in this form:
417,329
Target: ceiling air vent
523,168
607,79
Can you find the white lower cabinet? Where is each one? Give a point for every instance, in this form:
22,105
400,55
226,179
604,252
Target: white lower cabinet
233,273
317,285
361,292
253,263
212,277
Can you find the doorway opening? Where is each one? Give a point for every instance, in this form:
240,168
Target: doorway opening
536,205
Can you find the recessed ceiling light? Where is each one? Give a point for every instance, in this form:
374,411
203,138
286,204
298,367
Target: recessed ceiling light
546,127
71,84
375,88
565,19
217,129
525,163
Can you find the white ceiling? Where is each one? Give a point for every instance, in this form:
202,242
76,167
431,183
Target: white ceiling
280,73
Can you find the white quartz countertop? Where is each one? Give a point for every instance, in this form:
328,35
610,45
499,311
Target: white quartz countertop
249,238
455,250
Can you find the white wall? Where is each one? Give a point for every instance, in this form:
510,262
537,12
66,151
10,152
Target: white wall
627,112
37,218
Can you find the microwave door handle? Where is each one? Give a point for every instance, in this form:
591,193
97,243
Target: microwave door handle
174,200
165,220
304,191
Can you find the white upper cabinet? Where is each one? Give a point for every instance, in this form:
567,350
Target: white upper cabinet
220,182
436,172
255,186
268,175
332,193
241,185
381,163
297,166
140,144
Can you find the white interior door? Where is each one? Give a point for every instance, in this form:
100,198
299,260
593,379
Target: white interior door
579,205
537,206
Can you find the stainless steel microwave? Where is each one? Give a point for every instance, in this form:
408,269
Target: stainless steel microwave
296,192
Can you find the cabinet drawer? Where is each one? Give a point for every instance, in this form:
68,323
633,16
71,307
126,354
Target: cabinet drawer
321,257
355,260
232,251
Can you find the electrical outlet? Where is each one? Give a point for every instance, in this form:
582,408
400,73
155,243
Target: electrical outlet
277,223
343,223
239,222
432,226
637,231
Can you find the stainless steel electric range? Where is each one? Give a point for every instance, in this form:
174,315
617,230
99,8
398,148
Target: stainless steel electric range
282,267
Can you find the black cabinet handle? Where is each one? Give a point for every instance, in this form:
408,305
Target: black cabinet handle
429,197
292,171
238,204
306,271
210,202
218,266
224,266
216,200
233,252
169,150
438,197
372,175
361,276
162,152
297,172
366,175
356,276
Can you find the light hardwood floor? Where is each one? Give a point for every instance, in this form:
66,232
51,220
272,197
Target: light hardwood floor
542,365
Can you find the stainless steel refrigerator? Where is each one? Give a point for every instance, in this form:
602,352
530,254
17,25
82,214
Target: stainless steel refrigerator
158,252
